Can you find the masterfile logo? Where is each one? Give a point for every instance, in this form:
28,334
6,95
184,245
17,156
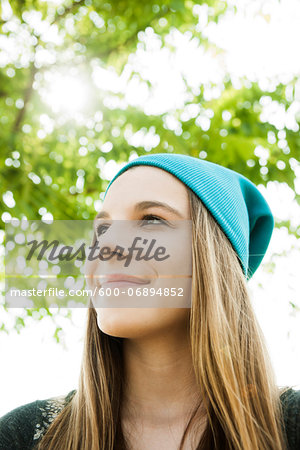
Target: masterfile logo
116,263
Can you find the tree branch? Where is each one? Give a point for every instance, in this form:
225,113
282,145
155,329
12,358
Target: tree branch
66,11
27,95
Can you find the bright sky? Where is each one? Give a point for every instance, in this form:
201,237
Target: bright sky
263,48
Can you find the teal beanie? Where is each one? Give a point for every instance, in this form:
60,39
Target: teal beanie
234,201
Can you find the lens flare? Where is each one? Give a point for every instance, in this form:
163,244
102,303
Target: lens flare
66,94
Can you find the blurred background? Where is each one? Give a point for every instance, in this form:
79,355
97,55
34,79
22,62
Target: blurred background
86,86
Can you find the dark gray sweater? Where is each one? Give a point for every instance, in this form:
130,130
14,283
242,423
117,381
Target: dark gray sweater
23,427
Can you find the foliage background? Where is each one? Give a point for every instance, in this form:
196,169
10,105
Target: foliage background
77,98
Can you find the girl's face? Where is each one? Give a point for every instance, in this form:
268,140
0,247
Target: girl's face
130,203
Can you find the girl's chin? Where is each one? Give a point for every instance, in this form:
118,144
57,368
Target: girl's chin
123,322
140,322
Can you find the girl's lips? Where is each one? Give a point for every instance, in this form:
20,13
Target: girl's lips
121,277
120,283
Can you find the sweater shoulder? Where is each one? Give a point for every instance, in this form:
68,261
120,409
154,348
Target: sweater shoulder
290,401
16,427
22,427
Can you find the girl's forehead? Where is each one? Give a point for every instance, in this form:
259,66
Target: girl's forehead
146,184
145,179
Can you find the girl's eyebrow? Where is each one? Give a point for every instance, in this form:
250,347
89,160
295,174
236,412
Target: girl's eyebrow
141,206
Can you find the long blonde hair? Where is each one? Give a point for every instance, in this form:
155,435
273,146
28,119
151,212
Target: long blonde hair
230,359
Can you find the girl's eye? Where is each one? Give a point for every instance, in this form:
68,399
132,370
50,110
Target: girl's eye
148,219
151,219
101,229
